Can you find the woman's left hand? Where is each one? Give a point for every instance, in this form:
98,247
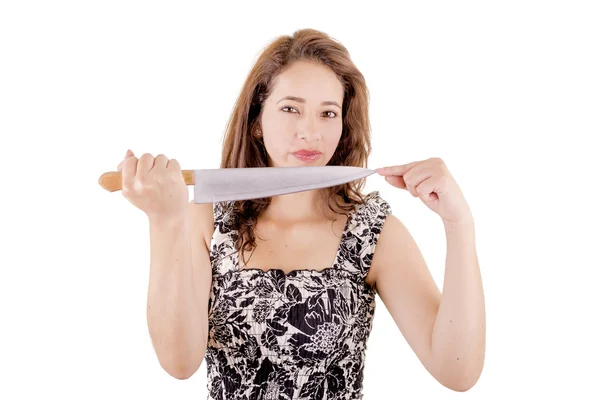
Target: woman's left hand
430,181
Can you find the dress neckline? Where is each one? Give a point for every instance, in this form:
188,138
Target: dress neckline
294,272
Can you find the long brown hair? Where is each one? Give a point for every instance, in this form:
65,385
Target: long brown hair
242,149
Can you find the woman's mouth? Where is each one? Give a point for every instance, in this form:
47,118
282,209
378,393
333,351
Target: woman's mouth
307,155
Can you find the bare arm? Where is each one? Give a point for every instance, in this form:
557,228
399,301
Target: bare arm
180,281
459,333
446,331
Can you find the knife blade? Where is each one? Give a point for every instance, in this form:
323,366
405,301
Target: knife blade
229,184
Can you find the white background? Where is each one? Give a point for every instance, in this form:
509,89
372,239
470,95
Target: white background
506,92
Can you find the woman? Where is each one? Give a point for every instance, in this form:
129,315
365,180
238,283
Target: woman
290,281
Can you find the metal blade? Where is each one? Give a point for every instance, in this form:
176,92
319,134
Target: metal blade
229,184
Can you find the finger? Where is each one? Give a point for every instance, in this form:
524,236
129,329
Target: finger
414,178
145,164
160,162
397,170
425,189
417,175
174,164
128,173
411,189
396,181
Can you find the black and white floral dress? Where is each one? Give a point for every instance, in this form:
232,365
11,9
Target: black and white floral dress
300,335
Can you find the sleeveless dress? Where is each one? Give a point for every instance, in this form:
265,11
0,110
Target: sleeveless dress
300,335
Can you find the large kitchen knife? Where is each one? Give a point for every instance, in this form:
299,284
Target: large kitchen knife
228,184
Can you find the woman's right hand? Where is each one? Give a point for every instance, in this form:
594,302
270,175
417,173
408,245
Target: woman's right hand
154,185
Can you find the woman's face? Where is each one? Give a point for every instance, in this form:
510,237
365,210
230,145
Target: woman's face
301,120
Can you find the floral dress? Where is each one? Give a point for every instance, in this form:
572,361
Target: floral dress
300,335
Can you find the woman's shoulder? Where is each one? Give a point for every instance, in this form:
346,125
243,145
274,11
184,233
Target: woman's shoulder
375,206
375,197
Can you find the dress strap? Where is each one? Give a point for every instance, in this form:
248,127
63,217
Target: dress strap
222,247
363,232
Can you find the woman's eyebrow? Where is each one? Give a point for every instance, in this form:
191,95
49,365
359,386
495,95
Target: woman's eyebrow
301,100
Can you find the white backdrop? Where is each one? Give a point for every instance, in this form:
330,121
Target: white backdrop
507,93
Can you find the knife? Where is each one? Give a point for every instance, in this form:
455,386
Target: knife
229,184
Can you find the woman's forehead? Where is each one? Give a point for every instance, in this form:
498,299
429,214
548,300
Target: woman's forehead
313,84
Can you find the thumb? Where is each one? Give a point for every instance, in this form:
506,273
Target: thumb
128,154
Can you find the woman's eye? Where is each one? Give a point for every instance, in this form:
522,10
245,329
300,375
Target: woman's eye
330,114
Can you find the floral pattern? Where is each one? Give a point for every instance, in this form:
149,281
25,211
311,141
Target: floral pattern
300,335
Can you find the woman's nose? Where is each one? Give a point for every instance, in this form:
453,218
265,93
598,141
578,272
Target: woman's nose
308,130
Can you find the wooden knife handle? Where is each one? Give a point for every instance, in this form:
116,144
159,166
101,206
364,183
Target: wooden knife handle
113,180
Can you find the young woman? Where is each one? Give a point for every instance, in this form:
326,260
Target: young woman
278,294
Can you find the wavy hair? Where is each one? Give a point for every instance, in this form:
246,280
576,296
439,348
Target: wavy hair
242,149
